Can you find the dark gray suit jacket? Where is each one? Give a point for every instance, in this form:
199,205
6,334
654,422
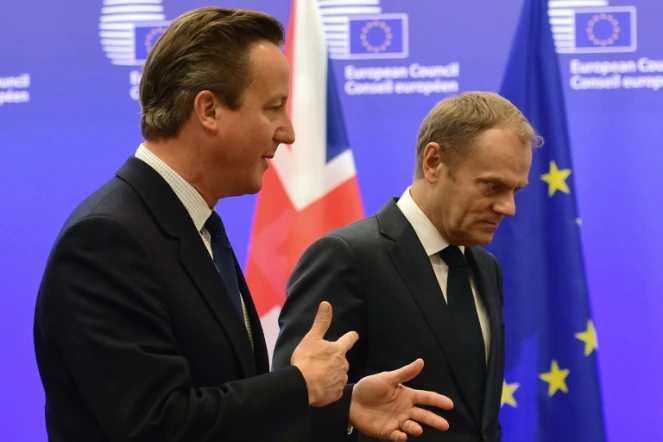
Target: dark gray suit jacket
380,282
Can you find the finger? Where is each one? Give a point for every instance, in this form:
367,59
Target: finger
398,436
322,321
422,397
406,373
347,341
412,428
429,418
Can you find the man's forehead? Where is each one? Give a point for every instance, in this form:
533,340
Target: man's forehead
266,57
500,160
270,70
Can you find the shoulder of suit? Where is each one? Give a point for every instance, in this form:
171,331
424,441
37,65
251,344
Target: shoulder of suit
356,228
114,199
358,233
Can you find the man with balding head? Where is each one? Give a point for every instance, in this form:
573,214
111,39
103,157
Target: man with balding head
413,280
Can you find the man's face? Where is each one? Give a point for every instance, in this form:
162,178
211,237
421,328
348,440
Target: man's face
250,135
468,203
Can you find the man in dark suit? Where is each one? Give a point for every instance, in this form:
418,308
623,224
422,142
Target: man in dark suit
413,280
144,326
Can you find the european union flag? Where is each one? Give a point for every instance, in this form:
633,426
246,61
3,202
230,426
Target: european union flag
145,37
378,36
551,388
607,29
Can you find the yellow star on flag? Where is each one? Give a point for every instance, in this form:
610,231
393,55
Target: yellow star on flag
507,394
555,378
589,338
556,179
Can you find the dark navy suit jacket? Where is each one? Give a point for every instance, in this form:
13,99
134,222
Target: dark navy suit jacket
380,282
136,338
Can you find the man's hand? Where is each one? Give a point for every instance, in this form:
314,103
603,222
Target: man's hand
383,408
323,363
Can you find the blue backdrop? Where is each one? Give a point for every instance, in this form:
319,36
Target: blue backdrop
69,119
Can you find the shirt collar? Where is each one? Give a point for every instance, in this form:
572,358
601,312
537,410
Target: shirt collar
427,233
194,203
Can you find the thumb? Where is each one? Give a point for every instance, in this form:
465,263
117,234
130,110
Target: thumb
322,321
405,373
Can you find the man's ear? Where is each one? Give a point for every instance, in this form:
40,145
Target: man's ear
207,110
434,162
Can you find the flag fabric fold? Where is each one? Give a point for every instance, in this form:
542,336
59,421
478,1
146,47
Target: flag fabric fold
551,390
311,187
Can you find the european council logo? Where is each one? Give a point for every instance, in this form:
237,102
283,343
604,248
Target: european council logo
375,36
602,30
128,29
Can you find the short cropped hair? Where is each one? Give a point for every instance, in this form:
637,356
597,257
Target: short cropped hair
204,49
456,122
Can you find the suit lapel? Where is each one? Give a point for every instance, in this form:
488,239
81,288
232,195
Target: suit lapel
172,216
259,344
414,266
489,299
200,267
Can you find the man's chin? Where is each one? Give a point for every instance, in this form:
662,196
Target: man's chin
256,186
485,239
479,239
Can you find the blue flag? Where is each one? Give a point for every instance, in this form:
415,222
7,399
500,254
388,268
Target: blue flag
378,36
551,389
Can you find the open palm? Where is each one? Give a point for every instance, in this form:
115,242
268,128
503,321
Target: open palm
384,408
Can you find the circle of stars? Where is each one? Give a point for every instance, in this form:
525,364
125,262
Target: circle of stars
388,36
603,41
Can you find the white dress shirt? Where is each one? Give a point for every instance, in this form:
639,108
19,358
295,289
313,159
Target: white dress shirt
194,203
433,243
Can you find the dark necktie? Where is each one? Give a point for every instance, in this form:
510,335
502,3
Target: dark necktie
465,320
224,259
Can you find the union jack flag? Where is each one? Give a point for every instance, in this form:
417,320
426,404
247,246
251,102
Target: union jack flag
311,187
